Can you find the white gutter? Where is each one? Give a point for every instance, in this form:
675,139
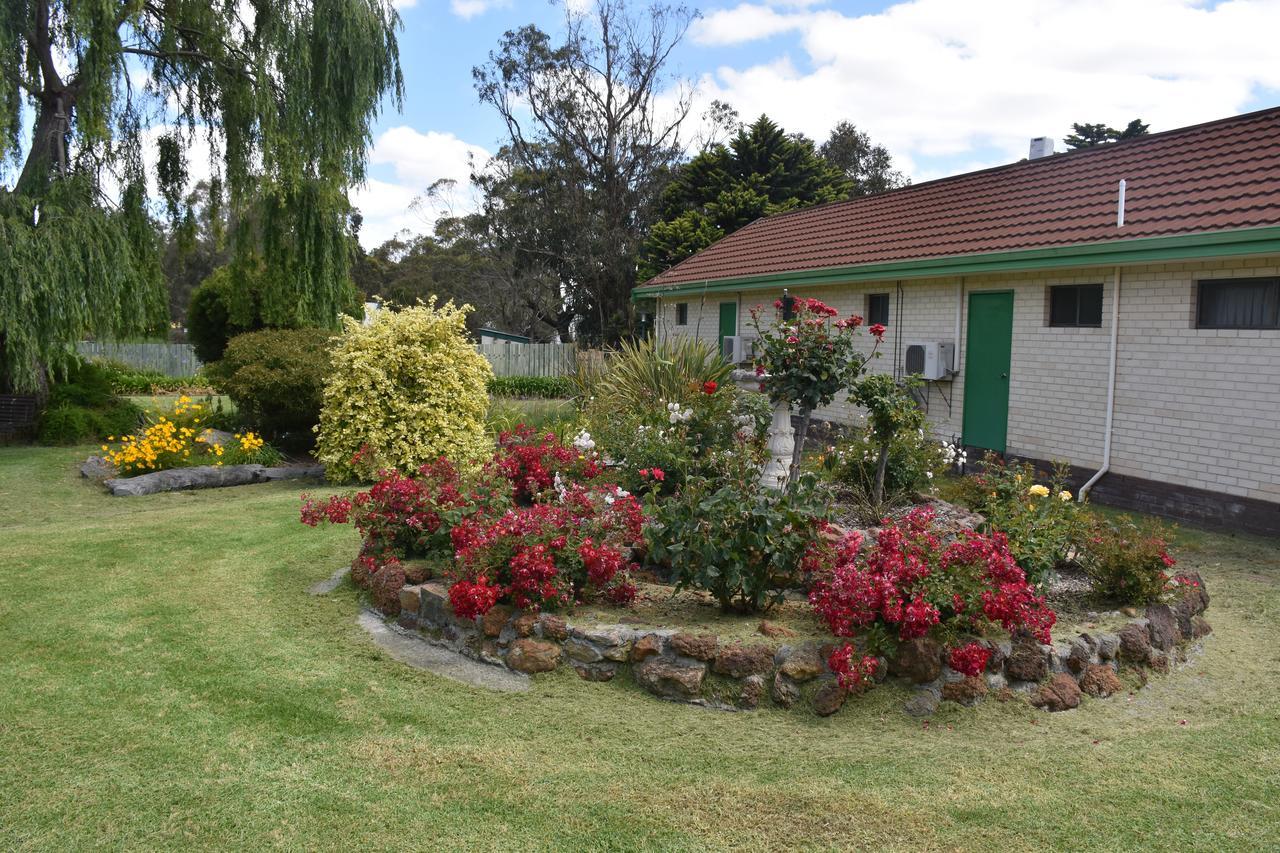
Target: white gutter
955,364
1111,389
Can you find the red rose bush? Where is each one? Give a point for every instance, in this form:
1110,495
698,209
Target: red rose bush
910,585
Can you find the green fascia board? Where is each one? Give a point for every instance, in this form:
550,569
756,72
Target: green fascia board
504,336
1240,241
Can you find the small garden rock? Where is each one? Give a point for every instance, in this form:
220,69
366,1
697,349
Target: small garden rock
739,660
524,624
829,698
554,628
752,692
804,663
923,704
1100,680
919,660
582,651
1060,694
1200,627
670,679
97,468
1108,646
1027,660
785,692
1162,627
596,671
528,655
495,619
701,647
966,691
770,629
1135,644
647,646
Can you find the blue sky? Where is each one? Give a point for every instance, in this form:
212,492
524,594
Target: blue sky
947,86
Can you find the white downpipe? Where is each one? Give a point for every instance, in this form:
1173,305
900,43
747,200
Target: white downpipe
955,366
1111,391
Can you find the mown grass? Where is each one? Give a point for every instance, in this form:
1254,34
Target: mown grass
166,682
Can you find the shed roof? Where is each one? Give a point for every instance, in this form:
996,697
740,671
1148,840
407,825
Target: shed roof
1209,178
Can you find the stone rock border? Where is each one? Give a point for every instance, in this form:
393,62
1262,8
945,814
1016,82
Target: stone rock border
196,477
704,670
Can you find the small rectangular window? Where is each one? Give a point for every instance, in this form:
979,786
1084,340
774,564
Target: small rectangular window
1075,305
878,309
1239,303
682,313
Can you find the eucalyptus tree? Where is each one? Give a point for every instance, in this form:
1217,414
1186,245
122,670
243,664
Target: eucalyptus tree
594,124
103,98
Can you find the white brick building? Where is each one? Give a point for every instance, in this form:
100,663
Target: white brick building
1195,405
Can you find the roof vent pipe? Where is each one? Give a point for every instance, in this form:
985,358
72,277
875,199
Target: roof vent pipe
1120,206
1041,146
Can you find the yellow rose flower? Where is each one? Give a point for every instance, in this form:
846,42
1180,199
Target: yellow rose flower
1038,491
1064,496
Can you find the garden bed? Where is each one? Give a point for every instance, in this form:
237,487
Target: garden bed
678,647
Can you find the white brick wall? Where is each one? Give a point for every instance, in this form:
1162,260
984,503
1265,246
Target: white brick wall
1194,407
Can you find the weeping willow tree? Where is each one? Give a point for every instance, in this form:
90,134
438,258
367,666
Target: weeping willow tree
99,96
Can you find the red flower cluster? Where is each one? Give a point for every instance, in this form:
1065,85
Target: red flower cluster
877,330
335,510
854,672
531,460
909,583
470,599
550,555
853,321
970,659
657,473
709,387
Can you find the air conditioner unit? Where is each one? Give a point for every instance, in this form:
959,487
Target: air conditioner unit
734,349
931,360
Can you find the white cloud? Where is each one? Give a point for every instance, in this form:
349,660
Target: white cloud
940,79
469,9
417,160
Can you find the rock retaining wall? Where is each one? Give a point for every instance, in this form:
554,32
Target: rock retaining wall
704,670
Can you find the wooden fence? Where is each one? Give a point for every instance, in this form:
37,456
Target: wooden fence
169,359
507,357
510,358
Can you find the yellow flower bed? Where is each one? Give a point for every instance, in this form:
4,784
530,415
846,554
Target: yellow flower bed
175,440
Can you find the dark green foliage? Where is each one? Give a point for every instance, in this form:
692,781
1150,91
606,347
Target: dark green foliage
83,407
1128,562
867,165
546,387
219,311
276,377
1092,135
735,538
761,172
130,380
286,95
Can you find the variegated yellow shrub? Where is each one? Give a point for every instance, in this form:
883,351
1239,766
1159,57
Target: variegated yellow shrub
404,390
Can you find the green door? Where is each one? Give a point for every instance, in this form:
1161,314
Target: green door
728,321
986,370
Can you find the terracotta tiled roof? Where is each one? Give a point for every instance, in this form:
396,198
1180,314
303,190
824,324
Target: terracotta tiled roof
1211,177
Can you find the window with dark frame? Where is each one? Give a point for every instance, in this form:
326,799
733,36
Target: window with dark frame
1238,303
682,313
1075,305
878,309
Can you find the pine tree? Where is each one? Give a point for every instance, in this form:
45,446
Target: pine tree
1092,135
762,171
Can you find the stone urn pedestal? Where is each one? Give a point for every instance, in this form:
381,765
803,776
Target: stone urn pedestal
782,437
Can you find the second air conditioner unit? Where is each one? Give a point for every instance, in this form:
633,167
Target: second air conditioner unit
931,359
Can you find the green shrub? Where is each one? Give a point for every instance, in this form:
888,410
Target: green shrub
65,423
738,540
276,378
1127,562
645,372
82,407
914,460
405,390
1045,526
545,387
220,309
130,380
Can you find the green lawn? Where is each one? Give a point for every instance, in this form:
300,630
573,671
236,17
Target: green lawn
166,681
